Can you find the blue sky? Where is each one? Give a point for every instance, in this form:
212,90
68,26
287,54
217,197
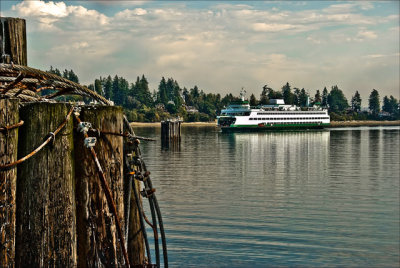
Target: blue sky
220,46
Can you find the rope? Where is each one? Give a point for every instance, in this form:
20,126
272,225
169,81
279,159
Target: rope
7,128
110,200
50,138
41,75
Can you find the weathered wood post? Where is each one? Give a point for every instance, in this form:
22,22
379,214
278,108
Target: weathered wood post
98,241
13,41
8,180
171,130
46,234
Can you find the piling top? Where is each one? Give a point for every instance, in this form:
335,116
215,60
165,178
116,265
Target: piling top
13,45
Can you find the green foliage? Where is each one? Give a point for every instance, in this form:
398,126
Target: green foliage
391,106
356,102
172,101
108,90
302,98
374,102
336,100
317,97
324,101
288,96
253,100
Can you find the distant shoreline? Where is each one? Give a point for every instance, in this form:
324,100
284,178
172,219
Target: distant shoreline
334,124
363,123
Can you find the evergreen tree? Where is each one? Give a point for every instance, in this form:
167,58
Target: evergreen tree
264,95
98,87
54,71
65,74
188,97
73,77
116,91
142,91
296,96
324,101
317,97
287,94
390,105
356,102
303,97
162,92
108,89
253,100
336,100
374,102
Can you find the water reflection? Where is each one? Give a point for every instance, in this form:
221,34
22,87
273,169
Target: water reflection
323,198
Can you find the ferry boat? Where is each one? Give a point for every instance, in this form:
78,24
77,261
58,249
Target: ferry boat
277,115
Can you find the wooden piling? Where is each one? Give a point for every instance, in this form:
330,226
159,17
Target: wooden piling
8,180
46,223
13,41
98,241
171,130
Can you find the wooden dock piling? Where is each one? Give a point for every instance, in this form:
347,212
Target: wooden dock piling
8,180
46,221
53,209
171,130
97,235
13,41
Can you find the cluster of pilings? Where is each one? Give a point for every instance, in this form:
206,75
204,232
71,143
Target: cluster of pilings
54,209
171,134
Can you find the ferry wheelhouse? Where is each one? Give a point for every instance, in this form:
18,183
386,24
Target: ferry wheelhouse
275,116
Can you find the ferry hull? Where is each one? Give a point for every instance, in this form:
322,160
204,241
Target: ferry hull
277,127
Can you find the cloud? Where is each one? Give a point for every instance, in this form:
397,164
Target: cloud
218,47
55,15
264,27
364,35
313,40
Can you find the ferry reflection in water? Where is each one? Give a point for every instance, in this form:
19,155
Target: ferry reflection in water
311,198
277,153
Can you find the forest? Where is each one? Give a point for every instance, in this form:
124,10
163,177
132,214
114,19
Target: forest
170,100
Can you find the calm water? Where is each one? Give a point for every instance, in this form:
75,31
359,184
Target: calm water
321,198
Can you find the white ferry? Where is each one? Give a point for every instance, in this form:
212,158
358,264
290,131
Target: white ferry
239,116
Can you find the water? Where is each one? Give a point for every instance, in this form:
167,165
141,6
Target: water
318,198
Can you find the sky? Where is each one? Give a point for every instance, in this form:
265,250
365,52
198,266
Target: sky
220,46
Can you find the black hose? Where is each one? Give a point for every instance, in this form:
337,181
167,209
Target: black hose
163,240
142,225
154,219
160,221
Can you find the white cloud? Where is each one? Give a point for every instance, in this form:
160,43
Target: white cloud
221,47
314,40
264,27
40,8
363,35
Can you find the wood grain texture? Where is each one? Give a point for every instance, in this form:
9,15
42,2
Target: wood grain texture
98,243
46,224
9,115
13,40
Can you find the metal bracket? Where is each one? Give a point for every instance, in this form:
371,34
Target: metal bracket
77,110
84,127
90,142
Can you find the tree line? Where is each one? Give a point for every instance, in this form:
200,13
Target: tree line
193,104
